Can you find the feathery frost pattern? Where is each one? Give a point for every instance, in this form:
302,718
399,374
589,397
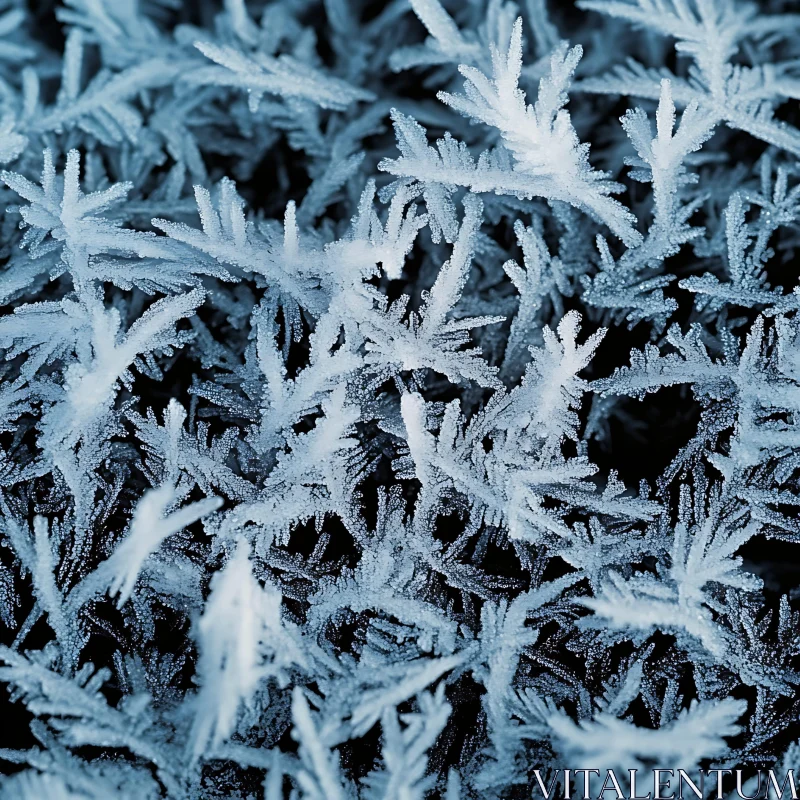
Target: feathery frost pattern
397,400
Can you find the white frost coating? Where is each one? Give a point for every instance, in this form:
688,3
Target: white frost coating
150,526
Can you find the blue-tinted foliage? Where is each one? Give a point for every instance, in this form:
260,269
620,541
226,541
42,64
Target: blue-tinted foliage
365,433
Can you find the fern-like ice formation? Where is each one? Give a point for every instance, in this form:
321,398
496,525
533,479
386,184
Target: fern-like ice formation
364,433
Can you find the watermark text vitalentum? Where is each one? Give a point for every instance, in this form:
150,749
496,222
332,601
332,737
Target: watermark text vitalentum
666,784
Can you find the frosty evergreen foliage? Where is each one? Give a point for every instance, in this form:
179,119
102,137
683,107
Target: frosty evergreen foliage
364,433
